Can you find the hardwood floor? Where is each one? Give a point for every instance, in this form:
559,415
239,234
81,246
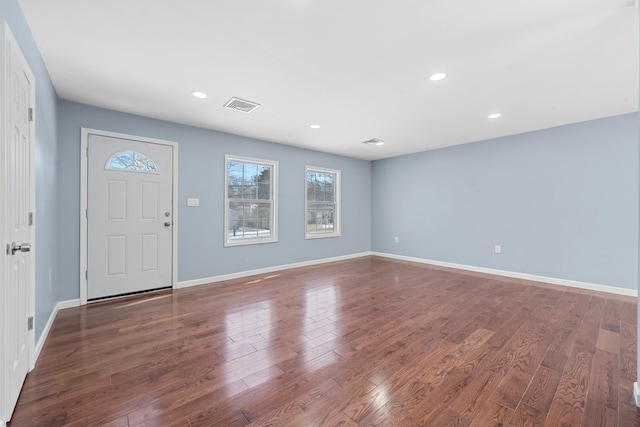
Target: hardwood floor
365,342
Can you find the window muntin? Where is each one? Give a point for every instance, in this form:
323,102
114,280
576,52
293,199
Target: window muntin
250,202
131,161
322,202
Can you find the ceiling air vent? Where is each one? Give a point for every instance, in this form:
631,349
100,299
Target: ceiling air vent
241,105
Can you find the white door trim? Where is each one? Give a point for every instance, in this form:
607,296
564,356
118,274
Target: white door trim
7,38
84,202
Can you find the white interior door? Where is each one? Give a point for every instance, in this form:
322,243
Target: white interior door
129,216
17,146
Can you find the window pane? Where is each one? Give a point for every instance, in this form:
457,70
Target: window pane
263,180
321,216
235,171
250,203
233,216
131,161
249,220
235,189
263,219
328,188
311,180
250,172
264,173
264,191
319,221
323,188
249,190
311,220
256,220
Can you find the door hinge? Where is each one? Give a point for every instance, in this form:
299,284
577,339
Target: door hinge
86,213
86,274
8,249
30,218
30,323
30,114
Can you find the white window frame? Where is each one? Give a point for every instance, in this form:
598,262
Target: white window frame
274,201
337,220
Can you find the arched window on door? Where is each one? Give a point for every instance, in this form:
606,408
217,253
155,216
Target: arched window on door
131,161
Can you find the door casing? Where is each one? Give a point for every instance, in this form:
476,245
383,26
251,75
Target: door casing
84,187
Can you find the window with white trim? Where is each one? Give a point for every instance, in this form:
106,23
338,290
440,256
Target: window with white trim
250,201
322,202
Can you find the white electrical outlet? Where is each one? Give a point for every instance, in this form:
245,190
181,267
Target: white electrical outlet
498,249
193,202
396,239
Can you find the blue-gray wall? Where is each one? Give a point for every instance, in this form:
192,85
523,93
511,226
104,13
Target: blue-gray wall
562,203
201,152
46,173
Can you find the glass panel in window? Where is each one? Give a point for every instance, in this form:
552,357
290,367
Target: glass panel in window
235,171
328,188
235,189
320,217
131,161
250,172
249,220
311,186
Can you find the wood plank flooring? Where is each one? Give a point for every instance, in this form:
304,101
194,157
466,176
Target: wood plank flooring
365,342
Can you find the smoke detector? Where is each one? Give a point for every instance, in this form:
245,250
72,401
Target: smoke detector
373,141
241,105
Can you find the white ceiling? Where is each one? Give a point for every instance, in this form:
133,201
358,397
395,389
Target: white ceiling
358,68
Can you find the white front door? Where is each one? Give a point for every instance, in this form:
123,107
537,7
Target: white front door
129,216
16,289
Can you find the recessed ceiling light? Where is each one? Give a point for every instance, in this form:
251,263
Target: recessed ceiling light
494,115
437,76
315,126
198,94
373,141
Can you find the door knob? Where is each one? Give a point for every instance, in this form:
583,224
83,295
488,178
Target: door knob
25,247
167,224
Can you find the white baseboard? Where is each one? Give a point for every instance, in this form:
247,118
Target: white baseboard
504,273
532,277
196,282
61,305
